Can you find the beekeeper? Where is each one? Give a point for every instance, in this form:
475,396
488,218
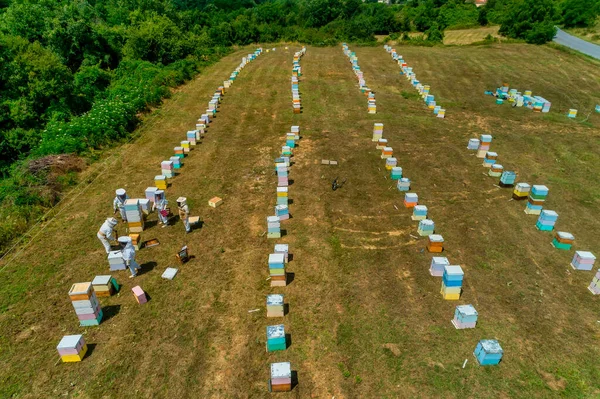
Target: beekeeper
128,254
161,206
105,234
119,203
184,213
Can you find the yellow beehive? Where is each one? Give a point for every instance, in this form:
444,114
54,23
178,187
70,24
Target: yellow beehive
75,358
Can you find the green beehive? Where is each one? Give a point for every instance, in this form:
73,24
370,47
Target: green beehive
276,338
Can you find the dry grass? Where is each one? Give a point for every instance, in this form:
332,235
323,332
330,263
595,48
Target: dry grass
591,34
366,319
458,36
468,36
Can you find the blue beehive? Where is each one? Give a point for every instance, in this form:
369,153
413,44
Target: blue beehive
488,352
403,184
465,316
176,162
508,178
419,212
547,220
453,276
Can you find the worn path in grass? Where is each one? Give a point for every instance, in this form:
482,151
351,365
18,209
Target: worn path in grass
366,319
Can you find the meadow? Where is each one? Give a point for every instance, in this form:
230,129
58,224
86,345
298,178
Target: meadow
366,319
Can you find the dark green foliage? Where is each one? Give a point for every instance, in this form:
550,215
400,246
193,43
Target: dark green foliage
457,14
434,34
482,18
531,20
580,12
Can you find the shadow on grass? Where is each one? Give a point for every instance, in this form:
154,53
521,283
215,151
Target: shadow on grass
146,267
110,311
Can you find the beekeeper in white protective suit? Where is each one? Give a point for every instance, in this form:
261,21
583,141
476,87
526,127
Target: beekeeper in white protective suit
105,234
184,213
119,203
161,205
128,253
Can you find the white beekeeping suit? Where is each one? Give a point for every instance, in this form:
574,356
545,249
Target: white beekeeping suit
105,234
184,213
128,253
119,203
161,204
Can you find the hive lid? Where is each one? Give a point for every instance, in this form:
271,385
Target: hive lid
281,370
436,238
281,247
115,255
276,258
80,288
565,235
491,346
453,270
69,341
549,213
101,280
274,299
169,273
277,331
467,310
585,254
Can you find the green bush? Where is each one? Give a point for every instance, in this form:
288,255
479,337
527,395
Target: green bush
531,20
579,12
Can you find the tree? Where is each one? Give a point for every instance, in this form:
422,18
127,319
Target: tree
531,20
156,39
482,18
317,13
434,34
27,20
580,12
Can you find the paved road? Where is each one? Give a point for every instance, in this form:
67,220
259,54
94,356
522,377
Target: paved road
575,43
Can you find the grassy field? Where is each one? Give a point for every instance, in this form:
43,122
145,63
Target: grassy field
458,36
468,36
366,319
591,34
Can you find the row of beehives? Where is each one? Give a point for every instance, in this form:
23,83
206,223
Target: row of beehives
276,338
424,90
487,352
84,296
536,196
362,84
296,74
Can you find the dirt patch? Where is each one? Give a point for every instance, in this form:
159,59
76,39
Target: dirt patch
393,348
556,384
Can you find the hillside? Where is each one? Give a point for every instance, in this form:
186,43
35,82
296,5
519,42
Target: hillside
366,319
